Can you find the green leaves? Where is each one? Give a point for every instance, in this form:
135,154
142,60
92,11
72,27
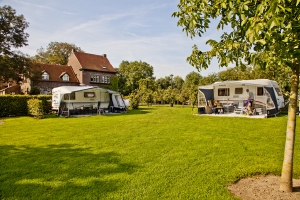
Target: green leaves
273,22
271,27
12,30
56,53
12,36
130,73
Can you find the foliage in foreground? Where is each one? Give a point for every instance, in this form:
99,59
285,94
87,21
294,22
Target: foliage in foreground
150,153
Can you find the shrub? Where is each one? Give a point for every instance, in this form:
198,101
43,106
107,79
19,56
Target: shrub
46,102
35,108
35,91
13,105
134,101
16,105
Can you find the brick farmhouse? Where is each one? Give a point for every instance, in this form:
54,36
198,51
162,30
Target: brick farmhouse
82,69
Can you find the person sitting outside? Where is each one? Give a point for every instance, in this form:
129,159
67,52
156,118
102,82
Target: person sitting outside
249,101
218,107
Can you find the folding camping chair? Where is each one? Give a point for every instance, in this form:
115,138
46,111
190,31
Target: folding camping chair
102,107
210,108
64,110
240,108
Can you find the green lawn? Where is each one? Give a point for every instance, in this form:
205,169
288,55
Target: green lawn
151,153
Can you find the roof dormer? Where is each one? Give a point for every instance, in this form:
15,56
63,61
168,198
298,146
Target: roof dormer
65,76
45,75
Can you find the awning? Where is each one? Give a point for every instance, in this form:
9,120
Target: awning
70,89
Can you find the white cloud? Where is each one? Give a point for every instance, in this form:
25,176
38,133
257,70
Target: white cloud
43,7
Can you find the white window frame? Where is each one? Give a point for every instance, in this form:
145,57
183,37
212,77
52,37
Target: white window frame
66,77
106,79
95,78
45,76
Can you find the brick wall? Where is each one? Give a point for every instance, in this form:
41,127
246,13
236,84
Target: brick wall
75,66
44,85
86,77
47,86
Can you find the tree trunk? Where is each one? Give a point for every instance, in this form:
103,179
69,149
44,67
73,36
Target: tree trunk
286,180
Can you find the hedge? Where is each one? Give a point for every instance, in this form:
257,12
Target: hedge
16,105
35,108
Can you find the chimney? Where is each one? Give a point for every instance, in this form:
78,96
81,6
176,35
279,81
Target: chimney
74,50
104,55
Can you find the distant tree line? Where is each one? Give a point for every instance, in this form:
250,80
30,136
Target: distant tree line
136,80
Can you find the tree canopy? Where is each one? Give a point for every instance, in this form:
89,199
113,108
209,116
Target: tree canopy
130,73
12,36
56,53
12,33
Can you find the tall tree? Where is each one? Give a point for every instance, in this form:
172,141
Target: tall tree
12,36
265,33
146,87
210,79
130,73
56,53
165,82
178,82
191,83
14,67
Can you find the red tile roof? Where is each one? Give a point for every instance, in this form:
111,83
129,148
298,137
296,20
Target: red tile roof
56,71
94,62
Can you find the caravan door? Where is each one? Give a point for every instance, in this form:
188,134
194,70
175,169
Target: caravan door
56,97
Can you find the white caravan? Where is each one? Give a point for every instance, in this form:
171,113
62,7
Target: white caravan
268,97
73,100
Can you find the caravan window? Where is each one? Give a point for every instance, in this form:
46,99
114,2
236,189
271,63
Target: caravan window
238,91
260,91
89,94
69,96
278,91
223,92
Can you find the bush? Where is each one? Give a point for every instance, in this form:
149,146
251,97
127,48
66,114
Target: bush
35,108
35,91
134,101
16,105
46,102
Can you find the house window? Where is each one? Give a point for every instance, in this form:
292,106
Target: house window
260,91
45,76
95,78
65,77
223,92
103,67
238,91
89,94
105,79
69,96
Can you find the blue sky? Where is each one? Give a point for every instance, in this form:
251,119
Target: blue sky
131,30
